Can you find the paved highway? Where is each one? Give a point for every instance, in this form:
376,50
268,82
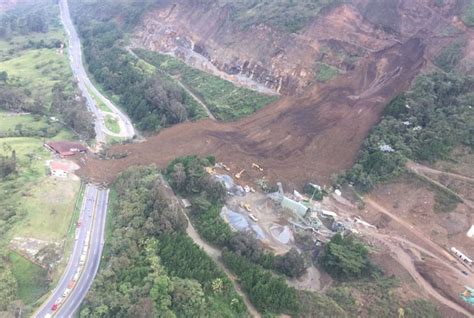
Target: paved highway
71,305
85,257
84,260
87,88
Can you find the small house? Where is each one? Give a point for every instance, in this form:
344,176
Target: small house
59,169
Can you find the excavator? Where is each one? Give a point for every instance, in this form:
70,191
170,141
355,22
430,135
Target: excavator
246,206
257,166
238,175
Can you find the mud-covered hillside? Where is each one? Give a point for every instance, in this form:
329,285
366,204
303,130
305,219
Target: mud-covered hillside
324,116
288,45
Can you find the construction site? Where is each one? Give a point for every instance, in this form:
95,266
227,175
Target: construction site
278,217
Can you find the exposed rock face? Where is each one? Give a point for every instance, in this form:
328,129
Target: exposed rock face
206,36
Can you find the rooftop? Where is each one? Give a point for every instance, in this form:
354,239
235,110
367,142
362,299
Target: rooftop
57,165
66,148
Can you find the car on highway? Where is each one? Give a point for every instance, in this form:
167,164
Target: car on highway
54,307
78,224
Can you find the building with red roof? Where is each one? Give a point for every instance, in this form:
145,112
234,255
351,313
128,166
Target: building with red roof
59,169
66,148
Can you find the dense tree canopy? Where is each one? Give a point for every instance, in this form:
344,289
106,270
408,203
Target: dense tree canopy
151,99
346,258
424,124
73,111
151,267
8,165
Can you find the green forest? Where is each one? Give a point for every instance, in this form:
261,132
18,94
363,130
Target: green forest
152,100
423,124
151,267
147,267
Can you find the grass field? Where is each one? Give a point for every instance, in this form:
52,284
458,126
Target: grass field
44,206
32,204
326,72
225,100
32,279
112,124
102,106
9,122
48,209
12,47
285,15
38,71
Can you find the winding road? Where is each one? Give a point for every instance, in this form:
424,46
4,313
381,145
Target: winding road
89,91
84,261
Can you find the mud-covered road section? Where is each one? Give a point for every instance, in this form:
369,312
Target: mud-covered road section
301,138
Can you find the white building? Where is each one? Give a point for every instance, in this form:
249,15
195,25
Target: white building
59,169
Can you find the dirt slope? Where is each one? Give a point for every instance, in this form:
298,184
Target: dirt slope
300,138
235,40
317,132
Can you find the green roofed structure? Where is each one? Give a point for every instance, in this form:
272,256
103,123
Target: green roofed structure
296,207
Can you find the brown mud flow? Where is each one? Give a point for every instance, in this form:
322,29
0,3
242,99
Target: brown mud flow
317,132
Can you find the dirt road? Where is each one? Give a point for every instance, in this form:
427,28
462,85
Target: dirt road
197,99
406,261
436,249
418,167
215,254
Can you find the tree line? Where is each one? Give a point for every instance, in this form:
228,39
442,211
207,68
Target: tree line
152,100
151,268
16,22
66,103
72,110
188,177
423,124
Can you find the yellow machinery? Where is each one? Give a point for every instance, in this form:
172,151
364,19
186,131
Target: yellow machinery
238,175
258,167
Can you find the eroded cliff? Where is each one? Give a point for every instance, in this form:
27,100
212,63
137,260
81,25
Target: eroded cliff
229,41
